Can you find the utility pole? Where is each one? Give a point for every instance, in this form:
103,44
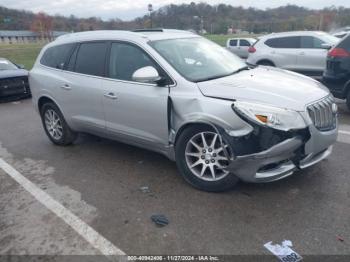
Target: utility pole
150,9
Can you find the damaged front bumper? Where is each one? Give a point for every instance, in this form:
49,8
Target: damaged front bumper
282,159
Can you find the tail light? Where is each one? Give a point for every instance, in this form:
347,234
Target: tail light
251,49
338,52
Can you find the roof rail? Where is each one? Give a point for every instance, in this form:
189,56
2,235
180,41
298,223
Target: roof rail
149,30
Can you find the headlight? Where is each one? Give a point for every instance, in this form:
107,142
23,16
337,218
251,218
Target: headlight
278,118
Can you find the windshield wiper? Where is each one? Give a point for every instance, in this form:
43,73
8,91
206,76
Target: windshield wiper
220,76
240,70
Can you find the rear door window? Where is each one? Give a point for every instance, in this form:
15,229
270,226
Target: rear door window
284,42
311,42
244,42
90,59
57,56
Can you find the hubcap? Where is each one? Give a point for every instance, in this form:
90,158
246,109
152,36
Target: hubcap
205,156
53,124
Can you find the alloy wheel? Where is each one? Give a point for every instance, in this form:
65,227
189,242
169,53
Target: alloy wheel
205,156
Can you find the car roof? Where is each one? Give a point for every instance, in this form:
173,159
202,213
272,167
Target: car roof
136,36
292,33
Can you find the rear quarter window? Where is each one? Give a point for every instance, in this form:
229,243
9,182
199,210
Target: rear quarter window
57,56
233,42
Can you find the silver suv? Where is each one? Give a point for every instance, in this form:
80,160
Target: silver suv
181,95
304,52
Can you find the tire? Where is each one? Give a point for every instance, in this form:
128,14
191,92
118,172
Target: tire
266,63
64,135
348,100
224,180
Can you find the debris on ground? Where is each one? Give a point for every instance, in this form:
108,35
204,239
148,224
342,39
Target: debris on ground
340,238
160,220
145,189
284,251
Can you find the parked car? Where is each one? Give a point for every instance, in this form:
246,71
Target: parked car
13,81
337,75
240,46
181,95
304,52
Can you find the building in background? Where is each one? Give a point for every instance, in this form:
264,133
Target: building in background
25,37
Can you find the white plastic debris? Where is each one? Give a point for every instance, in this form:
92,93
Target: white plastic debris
284,251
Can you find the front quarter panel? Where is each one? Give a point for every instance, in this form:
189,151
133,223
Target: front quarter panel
200,109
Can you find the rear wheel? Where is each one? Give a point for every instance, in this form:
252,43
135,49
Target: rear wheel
266,63
201,160
55,126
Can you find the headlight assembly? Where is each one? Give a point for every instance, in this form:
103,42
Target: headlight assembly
278,118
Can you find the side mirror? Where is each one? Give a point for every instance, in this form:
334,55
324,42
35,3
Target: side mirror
326,46
20,66
147,74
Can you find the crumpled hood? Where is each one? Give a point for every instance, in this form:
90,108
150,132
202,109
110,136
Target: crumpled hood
13,73
267,85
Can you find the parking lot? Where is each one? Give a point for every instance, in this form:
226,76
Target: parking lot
115,189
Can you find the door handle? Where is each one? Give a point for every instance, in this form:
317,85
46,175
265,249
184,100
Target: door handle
302,53
110,95
66,87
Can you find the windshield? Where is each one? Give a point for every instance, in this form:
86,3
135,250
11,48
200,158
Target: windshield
7,65
198,59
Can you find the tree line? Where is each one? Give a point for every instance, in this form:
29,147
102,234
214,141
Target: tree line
216,19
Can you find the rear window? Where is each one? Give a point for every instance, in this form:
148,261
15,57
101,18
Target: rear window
90,59
57,56
345,43
284,42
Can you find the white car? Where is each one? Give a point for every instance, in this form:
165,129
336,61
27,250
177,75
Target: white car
240,46
304,51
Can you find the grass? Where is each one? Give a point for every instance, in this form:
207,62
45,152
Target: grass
24,54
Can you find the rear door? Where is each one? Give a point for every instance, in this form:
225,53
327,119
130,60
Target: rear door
136,112
83,86
312,57
284,51
243,48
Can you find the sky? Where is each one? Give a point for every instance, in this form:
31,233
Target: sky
129,9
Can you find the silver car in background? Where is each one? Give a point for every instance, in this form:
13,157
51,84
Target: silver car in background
240,46
304,51
181,95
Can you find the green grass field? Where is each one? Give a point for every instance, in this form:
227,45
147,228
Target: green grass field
24,54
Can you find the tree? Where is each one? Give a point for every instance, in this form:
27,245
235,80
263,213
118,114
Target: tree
42,24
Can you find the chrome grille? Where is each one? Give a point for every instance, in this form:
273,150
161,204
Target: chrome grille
322,115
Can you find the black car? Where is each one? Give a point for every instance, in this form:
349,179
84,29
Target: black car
13,81
337,74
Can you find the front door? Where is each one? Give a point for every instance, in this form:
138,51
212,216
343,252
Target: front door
134,111
312,57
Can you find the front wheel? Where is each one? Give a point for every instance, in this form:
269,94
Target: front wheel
55,126
201,160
